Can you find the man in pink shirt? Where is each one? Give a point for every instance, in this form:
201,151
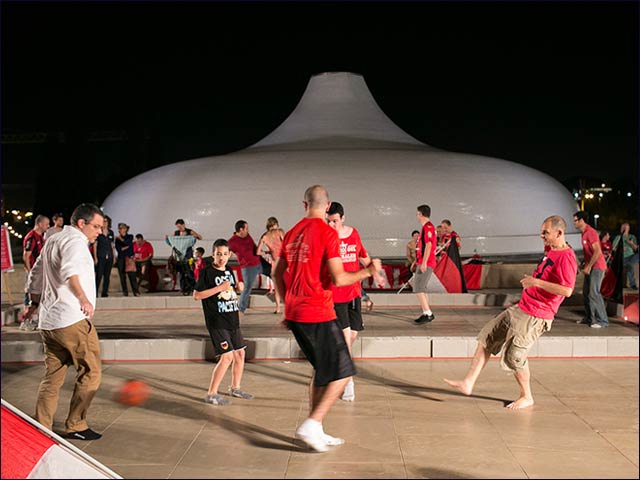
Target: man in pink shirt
517,328
594,267
244,248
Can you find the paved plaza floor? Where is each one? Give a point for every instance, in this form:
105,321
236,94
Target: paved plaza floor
405,422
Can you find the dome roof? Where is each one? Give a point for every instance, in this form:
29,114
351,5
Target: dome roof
338,137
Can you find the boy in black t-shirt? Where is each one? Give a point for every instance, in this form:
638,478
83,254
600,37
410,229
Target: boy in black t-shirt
215,288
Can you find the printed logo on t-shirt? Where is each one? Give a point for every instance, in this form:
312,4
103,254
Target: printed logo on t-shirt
297,251
348,252
228,299
224,345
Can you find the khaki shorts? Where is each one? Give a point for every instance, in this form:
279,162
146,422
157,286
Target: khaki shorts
514,332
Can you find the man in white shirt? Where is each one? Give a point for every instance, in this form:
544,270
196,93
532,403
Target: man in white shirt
58,223
62,288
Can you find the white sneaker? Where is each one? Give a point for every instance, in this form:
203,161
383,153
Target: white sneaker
329,440
349,394
310,432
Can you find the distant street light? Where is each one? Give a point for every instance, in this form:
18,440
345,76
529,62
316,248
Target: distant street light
595,220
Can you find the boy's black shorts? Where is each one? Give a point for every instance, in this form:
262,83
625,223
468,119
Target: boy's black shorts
349,314
225,341
324,346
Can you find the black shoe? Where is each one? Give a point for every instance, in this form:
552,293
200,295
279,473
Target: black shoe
105,295
87,434
424,319
136,294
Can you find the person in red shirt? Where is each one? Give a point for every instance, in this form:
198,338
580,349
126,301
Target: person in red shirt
347,301
518,327
244,248
33,242
309,263
448,233
198,262
142,254
31,247
607,247
593,267
425,262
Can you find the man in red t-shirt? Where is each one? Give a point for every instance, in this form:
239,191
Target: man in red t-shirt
347,300
593,267
519,326
425,262
448,233
244,248
32,244
142,254
309,262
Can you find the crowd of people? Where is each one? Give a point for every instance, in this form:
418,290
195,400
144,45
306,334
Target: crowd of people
316,269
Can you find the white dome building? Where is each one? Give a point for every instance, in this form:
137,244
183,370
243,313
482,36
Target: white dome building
338,137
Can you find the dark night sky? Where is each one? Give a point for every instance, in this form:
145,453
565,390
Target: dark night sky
550,85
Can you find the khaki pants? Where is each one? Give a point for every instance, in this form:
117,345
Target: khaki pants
75,345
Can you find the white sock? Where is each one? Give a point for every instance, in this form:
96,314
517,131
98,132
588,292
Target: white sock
310,425
428,312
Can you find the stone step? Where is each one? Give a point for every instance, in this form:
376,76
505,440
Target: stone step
285,348
480,298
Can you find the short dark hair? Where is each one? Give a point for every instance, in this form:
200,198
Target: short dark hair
139,235
414,232
85,211
179,221
56,215
581,215
425,210
221,242
200,249
334,208
239,225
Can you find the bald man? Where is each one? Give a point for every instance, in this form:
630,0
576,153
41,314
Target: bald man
310,260
518,327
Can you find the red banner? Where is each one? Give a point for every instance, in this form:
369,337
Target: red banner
7,258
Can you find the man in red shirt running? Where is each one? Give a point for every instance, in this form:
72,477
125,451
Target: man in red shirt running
519,326
309,262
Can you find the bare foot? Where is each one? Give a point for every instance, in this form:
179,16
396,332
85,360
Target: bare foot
459,385
519,404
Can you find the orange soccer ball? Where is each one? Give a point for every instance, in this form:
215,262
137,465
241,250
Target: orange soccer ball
133,392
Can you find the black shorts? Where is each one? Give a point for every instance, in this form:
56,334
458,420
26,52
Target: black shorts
324,346
349,314
225,341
